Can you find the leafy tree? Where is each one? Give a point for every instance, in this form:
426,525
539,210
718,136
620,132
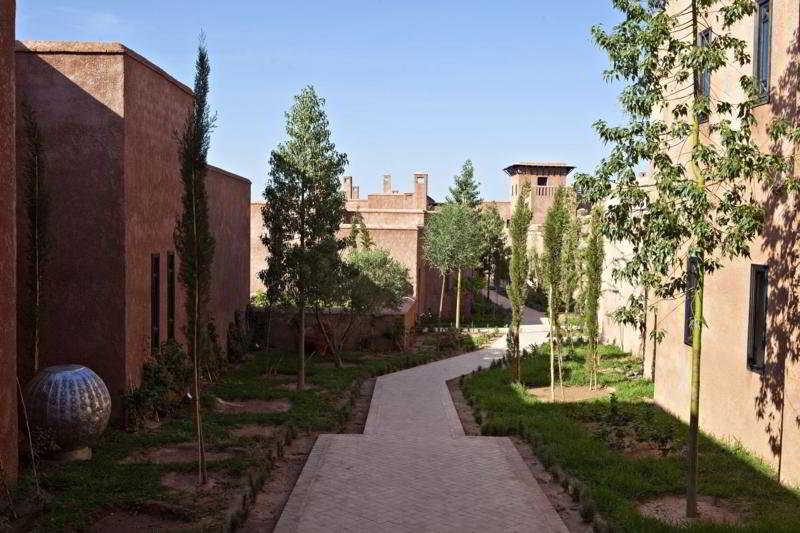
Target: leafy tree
37,209
556,223
438,248
194,242
699,200
593,271
518,274
303,211
466,188
495,250
359,234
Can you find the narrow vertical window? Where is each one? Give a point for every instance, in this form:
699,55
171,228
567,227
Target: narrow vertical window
688,311
704,78
170,296
762,46
155,301
757,330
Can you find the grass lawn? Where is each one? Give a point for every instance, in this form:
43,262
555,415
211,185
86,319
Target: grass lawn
80,493
624,449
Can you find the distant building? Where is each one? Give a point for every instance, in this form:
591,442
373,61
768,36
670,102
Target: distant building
395,221
109,118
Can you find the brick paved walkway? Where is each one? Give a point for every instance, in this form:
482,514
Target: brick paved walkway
414,470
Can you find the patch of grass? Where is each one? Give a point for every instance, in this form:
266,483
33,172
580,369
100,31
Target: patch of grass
81,492
587,441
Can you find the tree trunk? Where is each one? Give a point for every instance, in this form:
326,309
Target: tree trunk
458,300
655,345
329,339
441,297
201,449
552,346
697,314
301,358
643,329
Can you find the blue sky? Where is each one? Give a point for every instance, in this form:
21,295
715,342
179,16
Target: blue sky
410,85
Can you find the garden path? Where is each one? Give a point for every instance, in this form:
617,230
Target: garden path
413,469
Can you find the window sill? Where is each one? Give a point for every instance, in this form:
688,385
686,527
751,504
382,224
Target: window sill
764,100
756,369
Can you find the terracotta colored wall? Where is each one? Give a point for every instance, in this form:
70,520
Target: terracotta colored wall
156,108
258,252
759,409
8,323
78,99
229,211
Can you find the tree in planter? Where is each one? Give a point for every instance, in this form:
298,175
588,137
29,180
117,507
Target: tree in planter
37,210
593,272
495,249
699,200
465,189
303,211
518,274
556,224
194,242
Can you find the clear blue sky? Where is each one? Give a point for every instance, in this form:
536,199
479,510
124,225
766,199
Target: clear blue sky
410,85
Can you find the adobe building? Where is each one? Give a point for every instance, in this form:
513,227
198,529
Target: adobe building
544,179
750,367
109,120
395,221
8,290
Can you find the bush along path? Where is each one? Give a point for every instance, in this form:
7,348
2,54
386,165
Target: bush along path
146,479
414,469
621,456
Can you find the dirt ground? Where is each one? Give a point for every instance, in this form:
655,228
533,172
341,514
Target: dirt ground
253,406
672,510
565,506
571,393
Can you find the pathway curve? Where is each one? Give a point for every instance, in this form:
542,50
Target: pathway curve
413,469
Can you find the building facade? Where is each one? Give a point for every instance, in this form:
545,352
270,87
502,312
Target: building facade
109,120
8,226
750,370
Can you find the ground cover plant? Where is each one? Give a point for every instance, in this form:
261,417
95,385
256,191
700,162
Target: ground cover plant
622,449
128,471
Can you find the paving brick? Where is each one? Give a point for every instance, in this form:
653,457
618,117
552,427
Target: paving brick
413,469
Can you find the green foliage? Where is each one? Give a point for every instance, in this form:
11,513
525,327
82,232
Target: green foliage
496,252
381,282
303,211
36,202
556,225
465,191
165,380
582,440
453,238
359,234
239,338
518,272
194,241
593,271
570,264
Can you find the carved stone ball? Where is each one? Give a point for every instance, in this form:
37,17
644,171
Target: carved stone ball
69,404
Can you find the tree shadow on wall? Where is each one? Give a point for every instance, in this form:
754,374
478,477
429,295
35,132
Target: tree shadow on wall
781,245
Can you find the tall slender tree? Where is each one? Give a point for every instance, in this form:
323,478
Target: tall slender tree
194,241
495,243
570,263
556,223
465,190
518,272
593,272
303,211
699,199
37,210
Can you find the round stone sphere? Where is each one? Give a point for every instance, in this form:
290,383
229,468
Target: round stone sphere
69,405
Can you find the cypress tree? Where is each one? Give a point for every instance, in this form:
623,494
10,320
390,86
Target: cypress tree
465,190
194,241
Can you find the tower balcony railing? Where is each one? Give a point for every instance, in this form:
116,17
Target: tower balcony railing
544,190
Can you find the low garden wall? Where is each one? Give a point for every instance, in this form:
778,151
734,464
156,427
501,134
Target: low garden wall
388,331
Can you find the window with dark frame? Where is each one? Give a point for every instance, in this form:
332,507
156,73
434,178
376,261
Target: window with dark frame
688,311
155,302
170,296
762,45
541,181
757,326
704,79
